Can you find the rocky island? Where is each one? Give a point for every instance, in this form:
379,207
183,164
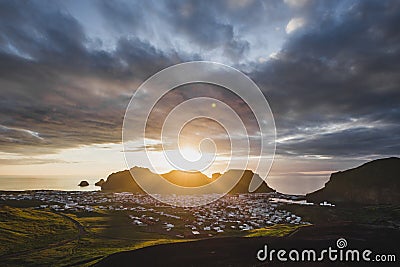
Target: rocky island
83,183
123,181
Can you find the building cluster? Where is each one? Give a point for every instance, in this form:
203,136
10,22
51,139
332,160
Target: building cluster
238,212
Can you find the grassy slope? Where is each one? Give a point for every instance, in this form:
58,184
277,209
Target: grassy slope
28,231
277,230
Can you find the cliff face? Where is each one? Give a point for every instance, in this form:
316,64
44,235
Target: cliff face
376,182
123,182
243,185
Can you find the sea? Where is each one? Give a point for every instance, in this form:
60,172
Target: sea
17,183
287,185
297,185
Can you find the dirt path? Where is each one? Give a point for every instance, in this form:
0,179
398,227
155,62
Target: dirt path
81,228
81,232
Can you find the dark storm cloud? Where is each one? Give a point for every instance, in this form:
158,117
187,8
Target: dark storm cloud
54,85
333,86
353,142
342,66
199,26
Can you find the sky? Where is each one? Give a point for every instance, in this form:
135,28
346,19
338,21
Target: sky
329,70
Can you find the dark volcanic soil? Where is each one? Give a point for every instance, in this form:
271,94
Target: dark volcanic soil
242,251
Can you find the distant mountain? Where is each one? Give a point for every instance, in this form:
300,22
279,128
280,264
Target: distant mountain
243,185
123,182
375,182
188,179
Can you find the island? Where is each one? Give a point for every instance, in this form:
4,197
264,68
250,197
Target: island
123,181
83,183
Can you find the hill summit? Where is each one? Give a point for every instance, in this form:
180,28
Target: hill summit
123,181
375,182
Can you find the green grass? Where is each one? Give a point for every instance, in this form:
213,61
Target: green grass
48,239
84,252
45,238
277,230
115,225
27,229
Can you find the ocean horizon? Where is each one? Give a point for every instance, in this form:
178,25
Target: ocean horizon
22,183
286,185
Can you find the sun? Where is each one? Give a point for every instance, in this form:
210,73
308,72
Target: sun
190,153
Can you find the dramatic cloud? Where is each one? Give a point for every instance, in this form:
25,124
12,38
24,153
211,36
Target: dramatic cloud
334,87
329,70
56,92
296,3
295,24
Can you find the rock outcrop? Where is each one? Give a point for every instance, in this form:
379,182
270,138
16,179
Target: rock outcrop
83,183
375,182
100,182
123,181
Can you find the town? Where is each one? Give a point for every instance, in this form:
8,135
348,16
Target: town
230,214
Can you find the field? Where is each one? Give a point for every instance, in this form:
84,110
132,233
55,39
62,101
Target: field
278,230
32,237
28,229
